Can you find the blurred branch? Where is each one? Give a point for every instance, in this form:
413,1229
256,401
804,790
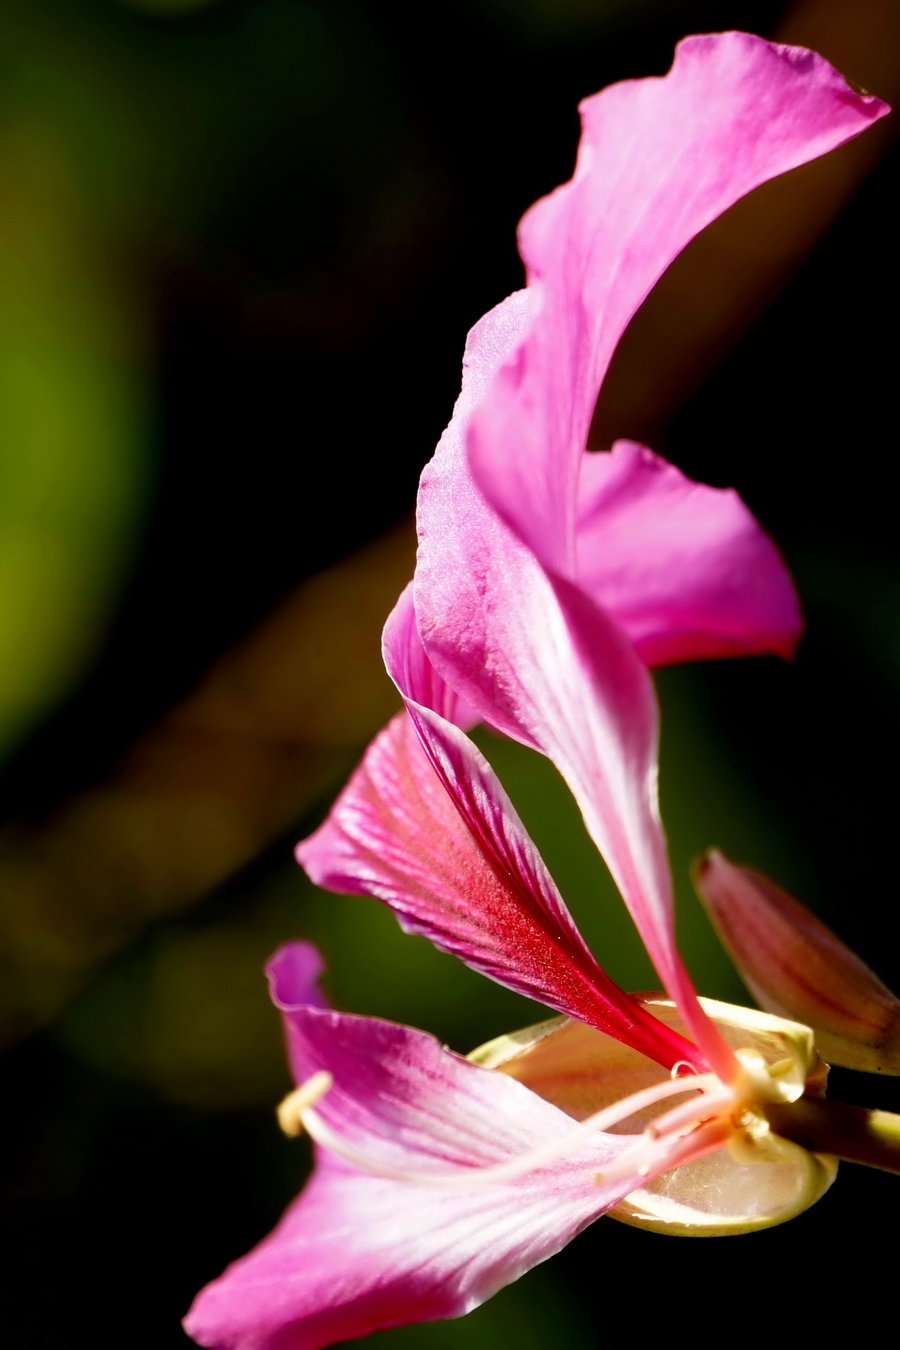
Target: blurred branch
250,751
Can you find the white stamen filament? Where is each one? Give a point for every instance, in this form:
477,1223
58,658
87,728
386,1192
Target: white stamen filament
466,1178
677,1132
686,1115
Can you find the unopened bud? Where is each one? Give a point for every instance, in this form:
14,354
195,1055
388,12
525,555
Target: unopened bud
795,967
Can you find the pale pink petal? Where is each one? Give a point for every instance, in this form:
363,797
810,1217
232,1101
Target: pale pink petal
356,1252
446,851
659,159
685,569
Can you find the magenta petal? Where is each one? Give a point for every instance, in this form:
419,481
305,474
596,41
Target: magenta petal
356,1252
297,966
682,567
659,160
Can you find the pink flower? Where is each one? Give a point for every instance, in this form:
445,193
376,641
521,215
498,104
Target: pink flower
547,580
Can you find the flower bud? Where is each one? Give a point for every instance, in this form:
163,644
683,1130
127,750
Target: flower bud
795,967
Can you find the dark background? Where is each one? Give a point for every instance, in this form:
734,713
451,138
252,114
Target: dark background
240,247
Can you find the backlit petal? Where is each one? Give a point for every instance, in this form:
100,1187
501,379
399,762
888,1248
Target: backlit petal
659,159
357,1252
683,568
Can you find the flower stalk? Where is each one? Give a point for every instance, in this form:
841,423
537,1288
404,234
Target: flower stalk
851,1133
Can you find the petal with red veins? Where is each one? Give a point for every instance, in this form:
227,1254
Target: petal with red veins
445,849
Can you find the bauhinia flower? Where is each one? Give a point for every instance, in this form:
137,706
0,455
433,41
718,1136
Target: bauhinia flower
548,579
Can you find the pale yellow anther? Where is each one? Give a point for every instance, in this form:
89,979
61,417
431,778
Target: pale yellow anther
290,1111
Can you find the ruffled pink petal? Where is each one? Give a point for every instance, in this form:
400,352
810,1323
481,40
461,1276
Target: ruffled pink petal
685,569
659,160
356,1252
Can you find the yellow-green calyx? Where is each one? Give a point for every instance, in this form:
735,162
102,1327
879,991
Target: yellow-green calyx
751,1177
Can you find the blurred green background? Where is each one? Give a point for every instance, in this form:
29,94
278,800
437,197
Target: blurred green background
240,246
